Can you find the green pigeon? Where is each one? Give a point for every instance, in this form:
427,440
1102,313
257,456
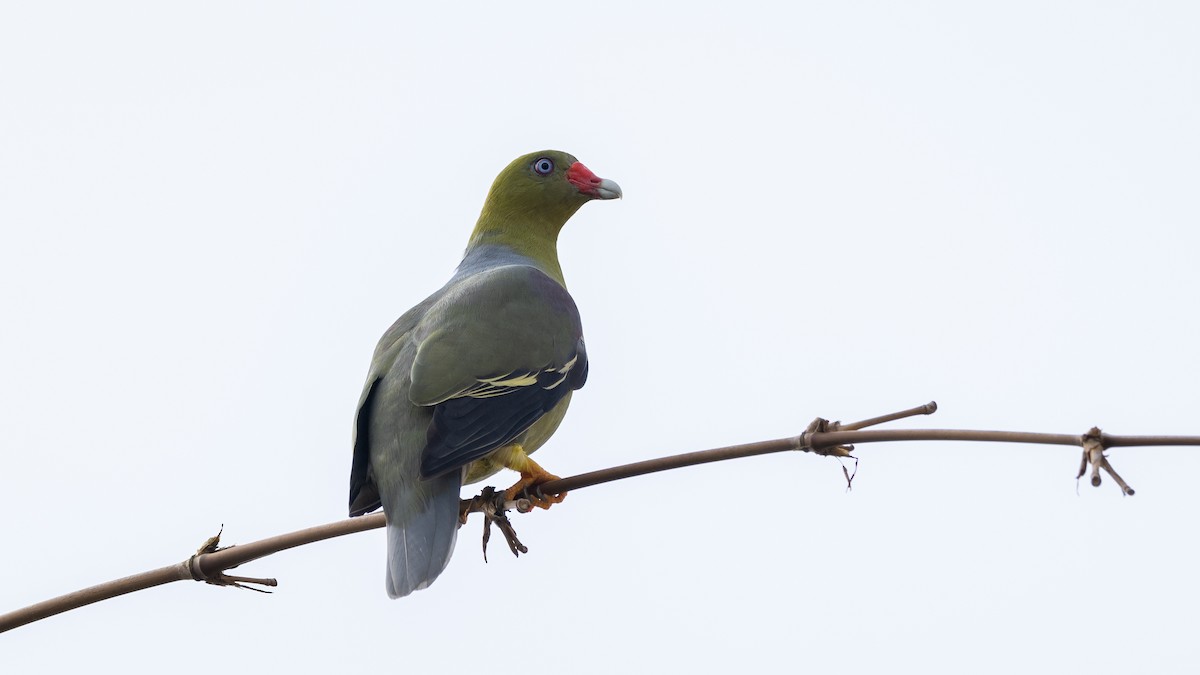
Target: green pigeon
479,374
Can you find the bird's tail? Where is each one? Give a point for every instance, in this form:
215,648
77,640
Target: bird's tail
421,536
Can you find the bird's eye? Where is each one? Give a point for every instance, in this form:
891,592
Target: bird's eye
543,166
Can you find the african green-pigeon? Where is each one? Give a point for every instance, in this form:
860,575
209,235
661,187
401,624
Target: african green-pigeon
479,374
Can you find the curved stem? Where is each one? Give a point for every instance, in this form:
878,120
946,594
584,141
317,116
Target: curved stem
210,566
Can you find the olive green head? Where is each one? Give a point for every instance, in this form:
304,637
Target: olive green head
535,195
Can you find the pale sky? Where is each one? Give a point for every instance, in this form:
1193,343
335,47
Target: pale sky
211,213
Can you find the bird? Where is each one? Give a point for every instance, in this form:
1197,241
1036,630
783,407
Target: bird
478,375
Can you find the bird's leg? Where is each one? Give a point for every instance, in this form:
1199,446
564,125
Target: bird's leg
532,475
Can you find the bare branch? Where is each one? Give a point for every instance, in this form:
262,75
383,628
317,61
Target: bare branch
823,438
208,567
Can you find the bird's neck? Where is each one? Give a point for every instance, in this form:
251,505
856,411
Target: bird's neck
530,236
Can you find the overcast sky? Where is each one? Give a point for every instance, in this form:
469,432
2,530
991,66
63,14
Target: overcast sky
211,213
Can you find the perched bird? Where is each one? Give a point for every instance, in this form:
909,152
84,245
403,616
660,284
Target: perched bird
479,374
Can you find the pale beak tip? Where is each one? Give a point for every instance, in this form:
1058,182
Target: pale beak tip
608,189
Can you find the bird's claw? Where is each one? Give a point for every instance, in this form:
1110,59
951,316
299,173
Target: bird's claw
541,501
528,487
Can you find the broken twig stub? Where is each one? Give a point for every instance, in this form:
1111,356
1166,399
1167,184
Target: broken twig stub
1093,454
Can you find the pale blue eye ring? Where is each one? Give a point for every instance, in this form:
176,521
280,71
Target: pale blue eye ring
543,166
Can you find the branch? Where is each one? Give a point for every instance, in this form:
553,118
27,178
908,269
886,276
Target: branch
821,438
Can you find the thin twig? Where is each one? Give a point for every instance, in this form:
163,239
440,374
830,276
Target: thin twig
926,409
823,439
721,454
1093,453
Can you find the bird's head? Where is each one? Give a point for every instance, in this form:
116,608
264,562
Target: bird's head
537,193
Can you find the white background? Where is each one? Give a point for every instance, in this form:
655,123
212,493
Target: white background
211,212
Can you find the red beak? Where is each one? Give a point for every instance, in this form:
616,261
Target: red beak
590,184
